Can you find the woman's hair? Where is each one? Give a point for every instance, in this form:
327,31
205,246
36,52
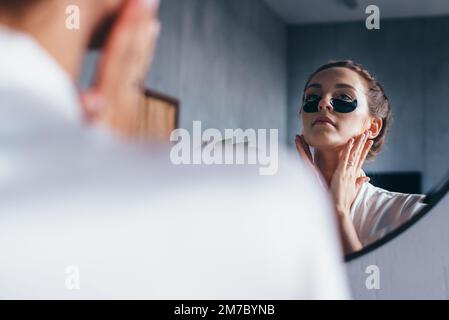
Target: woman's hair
16,5
378,103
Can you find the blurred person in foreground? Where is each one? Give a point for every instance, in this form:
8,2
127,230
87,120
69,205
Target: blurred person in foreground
86,215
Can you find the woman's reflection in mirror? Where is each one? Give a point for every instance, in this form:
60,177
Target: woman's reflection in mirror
345,117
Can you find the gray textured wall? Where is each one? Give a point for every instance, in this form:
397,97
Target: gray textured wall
411,59
225,60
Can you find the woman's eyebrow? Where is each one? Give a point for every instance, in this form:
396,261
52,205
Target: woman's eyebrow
344,85
314,85
338,85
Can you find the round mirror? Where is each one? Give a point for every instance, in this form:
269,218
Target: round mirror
380,69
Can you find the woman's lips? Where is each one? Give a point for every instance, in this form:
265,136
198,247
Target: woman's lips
324,121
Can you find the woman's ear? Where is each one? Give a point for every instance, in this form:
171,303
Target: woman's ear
375,127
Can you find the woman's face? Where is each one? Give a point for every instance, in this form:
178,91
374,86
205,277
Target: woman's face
338,83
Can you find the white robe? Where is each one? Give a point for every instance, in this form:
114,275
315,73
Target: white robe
376,211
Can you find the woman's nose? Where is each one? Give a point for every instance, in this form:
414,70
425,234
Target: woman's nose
325,104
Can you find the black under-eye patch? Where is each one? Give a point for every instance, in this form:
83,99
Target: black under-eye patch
340,106
311,106
343,106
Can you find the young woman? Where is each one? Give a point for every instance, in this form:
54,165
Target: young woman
345,117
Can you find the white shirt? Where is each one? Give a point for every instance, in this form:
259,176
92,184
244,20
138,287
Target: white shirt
376,211
81,218
26,67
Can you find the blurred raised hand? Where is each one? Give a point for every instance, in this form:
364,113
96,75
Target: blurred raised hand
118,91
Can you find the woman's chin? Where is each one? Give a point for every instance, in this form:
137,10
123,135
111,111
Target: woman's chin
323,142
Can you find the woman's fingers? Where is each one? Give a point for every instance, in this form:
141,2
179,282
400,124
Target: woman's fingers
92,103
355,153
364,154
137,61
358,147
126,52
300,148
303,148
306,147
347,153
117,92
116,48
304,152
141,51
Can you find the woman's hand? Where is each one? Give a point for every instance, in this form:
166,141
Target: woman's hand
346,181
346,184
116,95
304,152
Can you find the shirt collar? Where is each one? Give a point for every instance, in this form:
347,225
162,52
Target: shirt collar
26,65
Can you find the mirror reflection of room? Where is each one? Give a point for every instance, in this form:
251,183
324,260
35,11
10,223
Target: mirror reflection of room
388,82
381,81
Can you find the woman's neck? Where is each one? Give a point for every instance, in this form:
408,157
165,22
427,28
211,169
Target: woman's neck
327,161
